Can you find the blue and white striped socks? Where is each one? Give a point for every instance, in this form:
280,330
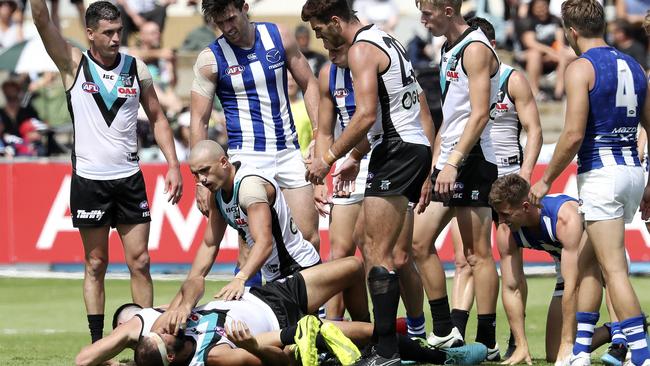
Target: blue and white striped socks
634,332
415,327
586,324
617,335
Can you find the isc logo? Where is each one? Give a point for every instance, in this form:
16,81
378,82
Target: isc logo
234,70
90,87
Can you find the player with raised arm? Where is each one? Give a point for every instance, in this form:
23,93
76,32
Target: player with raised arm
606,101
386,90
466,165
246,70
104,89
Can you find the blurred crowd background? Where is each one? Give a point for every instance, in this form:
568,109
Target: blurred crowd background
168,35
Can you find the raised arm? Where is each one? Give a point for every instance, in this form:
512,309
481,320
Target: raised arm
302,73
526,108
65,56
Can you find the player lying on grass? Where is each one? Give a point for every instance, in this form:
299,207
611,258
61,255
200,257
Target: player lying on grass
557,229
276,308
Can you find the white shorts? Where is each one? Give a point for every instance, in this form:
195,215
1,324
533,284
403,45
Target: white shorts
286,166
359,184
610,192
508,169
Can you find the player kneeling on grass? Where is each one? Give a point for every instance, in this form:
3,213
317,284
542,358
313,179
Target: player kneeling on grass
557,229
252,331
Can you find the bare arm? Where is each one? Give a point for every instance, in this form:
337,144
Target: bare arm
571,234
125,335
514,289
577,76
266,355
326,115
529,41
202,95
259,223
526,108
302,73
165,139
65,56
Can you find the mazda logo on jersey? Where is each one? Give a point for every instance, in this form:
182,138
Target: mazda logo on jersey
341,93
273,56
235,70
90,87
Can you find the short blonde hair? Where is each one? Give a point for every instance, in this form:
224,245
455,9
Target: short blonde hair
587,17
511,189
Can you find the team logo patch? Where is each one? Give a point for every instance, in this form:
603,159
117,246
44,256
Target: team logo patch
144,205
235,70
273,56
385,185
90,87
341,93
126,80
475,195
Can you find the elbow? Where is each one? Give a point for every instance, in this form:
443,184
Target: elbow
575,139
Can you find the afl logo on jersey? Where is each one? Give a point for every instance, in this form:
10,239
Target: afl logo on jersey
235,70
341,93
90,87
273,56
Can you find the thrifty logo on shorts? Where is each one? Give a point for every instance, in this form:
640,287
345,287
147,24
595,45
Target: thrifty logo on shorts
90,215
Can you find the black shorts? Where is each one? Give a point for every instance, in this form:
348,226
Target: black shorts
286,297
95,203
474,181
398,168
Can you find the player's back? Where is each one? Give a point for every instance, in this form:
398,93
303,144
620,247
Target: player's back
615,106
398,90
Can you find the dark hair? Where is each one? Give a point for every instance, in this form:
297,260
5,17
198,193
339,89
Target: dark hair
119,310
101,10
624,26
587,17
211,8
484,25
324,10
302,30
511,189
146,353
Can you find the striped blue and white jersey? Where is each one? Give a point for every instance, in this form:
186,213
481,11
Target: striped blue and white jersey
291,252
252,88
615,106
544,237
342,92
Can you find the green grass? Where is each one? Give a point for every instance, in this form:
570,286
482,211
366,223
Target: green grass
43,322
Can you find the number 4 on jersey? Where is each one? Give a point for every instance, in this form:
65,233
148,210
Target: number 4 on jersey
625,94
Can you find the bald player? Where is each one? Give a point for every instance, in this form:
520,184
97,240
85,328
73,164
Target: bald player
251,202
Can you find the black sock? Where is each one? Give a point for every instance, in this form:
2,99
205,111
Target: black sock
441,317
511,340
459,320
96,326
384,292
288,334
410,350
486,330
321,344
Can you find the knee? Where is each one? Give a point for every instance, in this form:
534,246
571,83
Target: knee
400,258
476,259
420,250
139,263
462,267
96,266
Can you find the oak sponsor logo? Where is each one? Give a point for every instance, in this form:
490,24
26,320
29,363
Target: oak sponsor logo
123,92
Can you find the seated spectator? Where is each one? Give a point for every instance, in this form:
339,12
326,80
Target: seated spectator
33,132
383,13
420,51
13,114
622,38
542,40
200,37
135,13
303,38
161,62
11,32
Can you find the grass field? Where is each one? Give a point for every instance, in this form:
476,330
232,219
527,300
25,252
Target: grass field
43,322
